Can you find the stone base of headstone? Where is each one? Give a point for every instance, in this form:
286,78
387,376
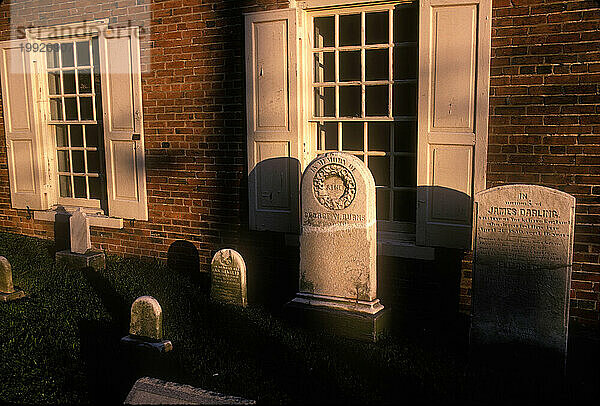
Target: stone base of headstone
9,297
150,391
140,342
361,320
73,260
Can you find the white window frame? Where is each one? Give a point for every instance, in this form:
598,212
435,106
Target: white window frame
122,122
386,229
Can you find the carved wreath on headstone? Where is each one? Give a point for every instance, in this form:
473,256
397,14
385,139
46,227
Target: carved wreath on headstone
320,192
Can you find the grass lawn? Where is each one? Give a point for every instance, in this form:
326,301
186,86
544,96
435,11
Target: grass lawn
61,345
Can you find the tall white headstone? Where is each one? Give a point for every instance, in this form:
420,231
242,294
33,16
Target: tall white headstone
338,244
80,232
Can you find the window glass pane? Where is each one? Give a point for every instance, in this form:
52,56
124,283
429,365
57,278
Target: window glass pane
405,171
405,136
80,189
65,185
405,99
349,66
405,24
383,204
328,132
95,188
69,82
325,67
324,102
71,108
78,163
52,59
93,161
56,109
83,53
91,135
53,83
95,52
350,101
324,32
62,139
349,29
76,136
380,168
405,62
87,111
352,136
85,80
377,100
377,28
67,56
405,208
379,136
377,66
63,161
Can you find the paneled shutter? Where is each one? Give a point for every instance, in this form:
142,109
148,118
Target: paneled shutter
454,59
24,143
274,148
123,126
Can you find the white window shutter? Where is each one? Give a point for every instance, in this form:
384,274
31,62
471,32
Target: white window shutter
24,143
123,126
273,138
454,61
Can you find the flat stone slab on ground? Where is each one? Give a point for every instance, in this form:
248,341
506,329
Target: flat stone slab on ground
150,391
160,346
91,259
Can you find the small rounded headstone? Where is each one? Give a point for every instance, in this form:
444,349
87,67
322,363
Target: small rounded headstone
228,278
6,283
146,318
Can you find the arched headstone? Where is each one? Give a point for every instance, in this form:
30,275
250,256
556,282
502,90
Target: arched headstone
228,278
338,244
146,326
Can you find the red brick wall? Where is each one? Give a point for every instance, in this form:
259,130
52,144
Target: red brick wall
545,120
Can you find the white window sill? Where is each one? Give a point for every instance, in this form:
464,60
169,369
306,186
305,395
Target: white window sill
95,216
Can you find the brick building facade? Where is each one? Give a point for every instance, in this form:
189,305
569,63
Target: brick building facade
543,129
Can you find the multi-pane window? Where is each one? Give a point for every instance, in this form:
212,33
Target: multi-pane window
364,88
75,119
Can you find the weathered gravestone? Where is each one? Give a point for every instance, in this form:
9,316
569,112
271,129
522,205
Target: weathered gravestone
146,329
338,248
151,391
80,232
523,257
228,278
81,254
7,289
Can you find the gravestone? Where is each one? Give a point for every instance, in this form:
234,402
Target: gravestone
338,248
523,256
81,254
7,289
146,326
80,232
151,391
228,278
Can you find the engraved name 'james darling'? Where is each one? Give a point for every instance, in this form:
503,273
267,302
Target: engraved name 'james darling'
511,211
